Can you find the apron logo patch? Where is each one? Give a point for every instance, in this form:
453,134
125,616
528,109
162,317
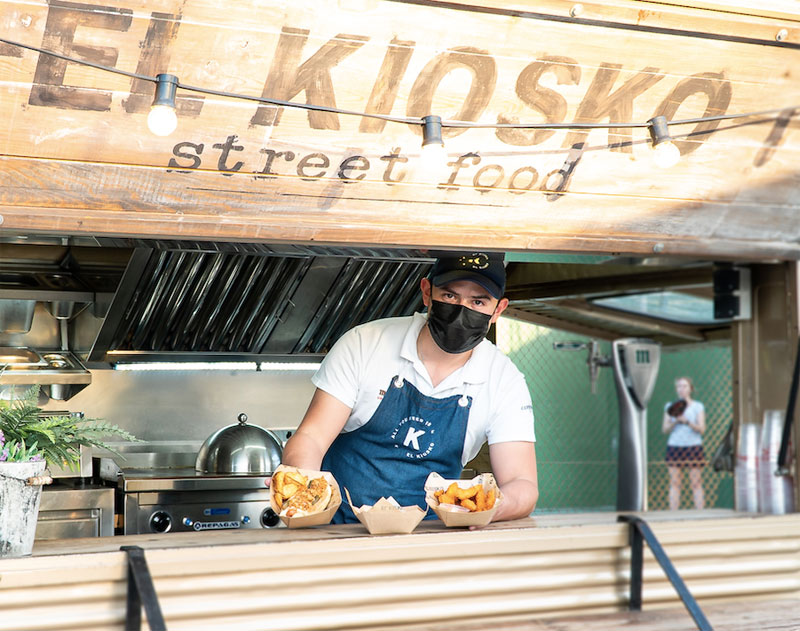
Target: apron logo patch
411,438
380,394
413,434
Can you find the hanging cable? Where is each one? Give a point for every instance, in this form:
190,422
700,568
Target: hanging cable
173,84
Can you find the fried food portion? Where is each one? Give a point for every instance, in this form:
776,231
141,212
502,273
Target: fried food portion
474,499
295,494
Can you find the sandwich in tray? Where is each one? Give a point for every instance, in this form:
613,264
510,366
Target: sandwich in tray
303,497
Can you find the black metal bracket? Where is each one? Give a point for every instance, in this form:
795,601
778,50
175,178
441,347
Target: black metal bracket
786,435
639,533
141,593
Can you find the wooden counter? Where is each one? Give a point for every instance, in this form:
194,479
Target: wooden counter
339,577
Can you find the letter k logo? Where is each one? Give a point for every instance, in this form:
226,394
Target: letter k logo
411,438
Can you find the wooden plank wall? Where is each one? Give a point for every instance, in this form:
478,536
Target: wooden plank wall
76,156
291,581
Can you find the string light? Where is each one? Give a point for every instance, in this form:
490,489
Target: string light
162,119
432,133
433,156
665,151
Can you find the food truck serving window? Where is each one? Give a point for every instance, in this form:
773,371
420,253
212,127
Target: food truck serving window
666,305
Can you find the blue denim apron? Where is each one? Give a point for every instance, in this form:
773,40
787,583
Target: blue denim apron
409,436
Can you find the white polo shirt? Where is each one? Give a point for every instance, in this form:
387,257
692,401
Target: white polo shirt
359,368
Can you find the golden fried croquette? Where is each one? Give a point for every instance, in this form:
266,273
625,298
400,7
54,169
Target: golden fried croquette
475,498
466,494
480,499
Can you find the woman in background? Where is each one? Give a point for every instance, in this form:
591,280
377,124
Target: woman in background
685,422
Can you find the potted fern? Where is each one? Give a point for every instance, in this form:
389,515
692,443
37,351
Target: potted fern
30,440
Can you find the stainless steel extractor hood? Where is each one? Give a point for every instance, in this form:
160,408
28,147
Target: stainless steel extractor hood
222,301
197,301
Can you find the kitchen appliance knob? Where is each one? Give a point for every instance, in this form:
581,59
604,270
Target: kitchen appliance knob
160,521
269,518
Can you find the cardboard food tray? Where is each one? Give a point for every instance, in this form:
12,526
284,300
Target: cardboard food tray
384,517
455,519
317,519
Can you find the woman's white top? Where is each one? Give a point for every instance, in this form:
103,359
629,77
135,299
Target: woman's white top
682,435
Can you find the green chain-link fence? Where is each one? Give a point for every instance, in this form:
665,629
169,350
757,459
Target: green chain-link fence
577,431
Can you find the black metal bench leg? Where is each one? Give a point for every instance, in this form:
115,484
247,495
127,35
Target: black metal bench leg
641,530
141,592
637,561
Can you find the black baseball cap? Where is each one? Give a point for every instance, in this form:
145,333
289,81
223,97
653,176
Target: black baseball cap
484,268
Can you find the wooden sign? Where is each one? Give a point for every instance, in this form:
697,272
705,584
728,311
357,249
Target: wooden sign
76,156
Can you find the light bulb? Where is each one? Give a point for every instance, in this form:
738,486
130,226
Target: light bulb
433,157
162,120
433,163
666,154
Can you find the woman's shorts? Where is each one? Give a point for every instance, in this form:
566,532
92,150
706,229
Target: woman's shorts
685,456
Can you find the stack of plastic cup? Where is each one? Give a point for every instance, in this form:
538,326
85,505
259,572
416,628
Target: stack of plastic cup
746,468
776,492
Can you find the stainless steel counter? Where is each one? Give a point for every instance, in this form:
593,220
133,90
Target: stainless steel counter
71,509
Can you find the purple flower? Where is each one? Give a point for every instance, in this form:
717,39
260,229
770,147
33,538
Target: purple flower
2,438
4,455
36,458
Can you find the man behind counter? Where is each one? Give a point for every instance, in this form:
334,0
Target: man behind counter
401,397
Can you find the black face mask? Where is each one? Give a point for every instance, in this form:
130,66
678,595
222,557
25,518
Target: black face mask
456,329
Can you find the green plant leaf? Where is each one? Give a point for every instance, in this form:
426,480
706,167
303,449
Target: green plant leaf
57,438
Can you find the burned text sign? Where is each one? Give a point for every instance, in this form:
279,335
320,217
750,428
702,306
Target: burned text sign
390,58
